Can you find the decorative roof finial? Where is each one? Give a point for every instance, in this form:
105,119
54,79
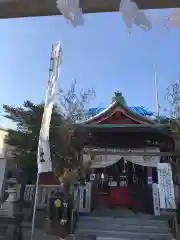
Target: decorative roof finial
118,97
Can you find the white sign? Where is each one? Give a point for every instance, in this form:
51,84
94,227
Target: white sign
166,186
92,177
156,203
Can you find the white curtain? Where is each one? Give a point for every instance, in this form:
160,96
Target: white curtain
102,161
146,161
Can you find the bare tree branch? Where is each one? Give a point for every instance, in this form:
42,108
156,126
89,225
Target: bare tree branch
74,105
173,97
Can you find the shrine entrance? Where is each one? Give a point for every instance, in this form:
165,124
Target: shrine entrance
122,185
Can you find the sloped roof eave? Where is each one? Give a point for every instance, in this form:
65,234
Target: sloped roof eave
93,118
136,116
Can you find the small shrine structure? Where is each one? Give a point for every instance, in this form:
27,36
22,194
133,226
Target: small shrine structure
125,148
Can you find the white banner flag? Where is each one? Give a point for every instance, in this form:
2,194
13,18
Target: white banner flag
44,154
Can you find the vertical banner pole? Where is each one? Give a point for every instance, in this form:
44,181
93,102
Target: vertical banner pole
156,88
34,208
44,163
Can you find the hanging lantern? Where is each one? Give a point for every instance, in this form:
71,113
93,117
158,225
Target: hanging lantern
71,11
131,14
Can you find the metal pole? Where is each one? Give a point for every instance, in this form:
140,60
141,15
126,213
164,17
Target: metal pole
156,88
34,209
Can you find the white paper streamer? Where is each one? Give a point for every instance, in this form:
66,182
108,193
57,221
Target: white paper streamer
71,11
129,10
132,15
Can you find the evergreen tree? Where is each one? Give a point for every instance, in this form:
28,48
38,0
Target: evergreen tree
24,139
64,145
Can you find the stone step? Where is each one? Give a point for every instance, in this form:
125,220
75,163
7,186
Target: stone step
123,221
124,227
111,238
139,238
4,212
125,234
38,235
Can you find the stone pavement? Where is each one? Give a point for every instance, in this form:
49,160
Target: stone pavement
38,235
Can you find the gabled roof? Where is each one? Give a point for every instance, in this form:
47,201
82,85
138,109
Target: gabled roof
119,105
139,109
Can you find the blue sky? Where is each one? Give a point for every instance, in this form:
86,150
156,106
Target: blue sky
101,54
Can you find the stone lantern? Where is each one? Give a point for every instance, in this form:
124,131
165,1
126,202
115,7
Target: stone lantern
8,208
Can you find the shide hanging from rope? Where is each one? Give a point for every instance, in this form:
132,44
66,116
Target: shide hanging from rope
132,15
71,11
24,8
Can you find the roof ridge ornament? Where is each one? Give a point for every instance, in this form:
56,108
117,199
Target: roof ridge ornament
119,98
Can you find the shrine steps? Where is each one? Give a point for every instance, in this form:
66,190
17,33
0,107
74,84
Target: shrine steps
123,228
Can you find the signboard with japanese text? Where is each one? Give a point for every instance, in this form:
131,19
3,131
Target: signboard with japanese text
166,187
156,204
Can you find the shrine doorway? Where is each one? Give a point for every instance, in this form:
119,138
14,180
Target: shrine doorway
122,185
